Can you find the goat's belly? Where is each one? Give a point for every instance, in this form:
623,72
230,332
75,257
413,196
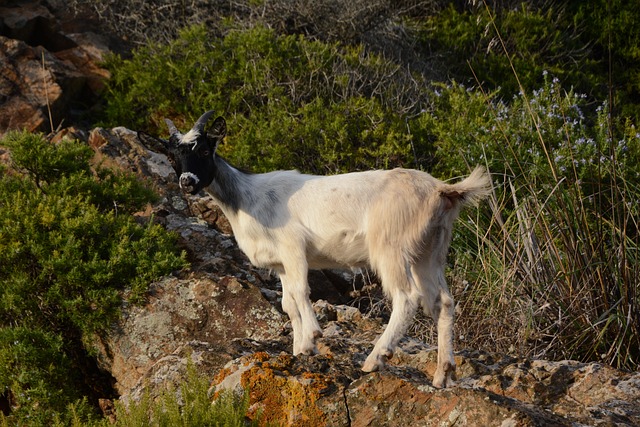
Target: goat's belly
344,249
319,262
262,253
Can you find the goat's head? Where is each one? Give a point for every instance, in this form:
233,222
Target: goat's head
191,154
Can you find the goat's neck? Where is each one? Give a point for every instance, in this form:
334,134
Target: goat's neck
230,187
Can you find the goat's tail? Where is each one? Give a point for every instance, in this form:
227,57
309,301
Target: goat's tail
469,191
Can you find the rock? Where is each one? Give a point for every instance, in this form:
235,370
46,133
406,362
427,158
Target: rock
36,87
45,71
329,390
184,318
33,23
206,208
388,399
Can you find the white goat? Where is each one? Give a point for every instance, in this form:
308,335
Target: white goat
397,222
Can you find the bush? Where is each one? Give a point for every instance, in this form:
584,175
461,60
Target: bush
591,46
71,254
290,102
187,406
36,375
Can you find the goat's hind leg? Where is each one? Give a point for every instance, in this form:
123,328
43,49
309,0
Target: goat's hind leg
404,300
438,303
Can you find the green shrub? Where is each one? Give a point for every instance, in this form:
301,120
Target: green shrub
545,132
290,102
591,46
187,406
612,28
70,252
535,39
36,374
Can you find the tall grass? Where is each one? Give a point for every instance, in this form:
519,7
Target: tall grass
187,406
556,253
560,269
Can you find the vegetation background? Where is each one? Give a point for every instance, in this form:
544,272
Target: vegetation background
545,93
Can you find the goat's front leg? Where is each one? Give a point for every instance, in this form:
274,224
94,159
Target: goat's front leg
296,303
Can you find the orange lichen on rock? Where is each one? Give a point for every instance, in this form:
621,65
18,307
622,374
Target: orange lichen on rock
221,375
281,395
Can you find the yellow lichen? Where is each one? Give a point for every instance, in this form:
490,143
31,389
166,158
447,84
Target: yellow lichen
220,376
282,398
261,356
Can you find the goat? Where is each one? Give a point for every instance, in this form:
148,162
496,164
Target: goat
397,222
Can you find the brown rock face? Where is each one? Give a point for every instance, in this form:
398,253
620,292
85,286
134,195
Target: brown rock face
191,318
45,71
328,390
29,85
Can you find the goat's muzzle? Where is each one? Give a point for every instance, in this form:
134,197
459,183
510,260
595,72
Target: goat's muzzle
188,182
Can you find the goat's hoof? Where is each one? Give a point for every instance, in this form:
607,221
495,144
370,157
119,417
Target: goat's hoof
445,381
370,366
439,381
445,377
376,363
308,350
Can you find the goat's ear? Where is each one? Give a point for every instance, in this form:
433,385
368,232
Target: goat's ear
217,131
153,143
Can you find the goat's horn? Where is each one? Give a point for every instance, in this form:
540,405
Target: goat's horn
172,128
203,120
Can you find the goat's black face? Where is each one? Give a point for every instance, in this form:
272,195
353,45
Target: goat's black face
192,155
194,165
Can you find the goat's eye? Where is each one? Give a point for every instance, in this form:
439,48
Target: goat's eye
206,153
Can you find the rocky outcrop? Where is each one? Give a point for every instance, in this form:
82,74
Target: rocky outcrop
492,389
224,317
48,70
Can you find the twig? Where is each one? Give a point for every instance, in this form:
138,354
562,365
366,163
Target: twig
46,91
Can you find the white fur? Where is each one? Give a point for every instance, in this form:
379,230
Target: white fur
191,175
397,222
190,137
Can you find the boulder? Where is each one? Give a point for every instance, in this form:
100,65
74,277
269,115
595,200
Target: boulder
329,390
46,72
35,87
192,318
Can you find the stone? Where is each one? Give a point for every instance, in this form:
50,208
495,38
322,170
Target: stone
191,318
45,71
